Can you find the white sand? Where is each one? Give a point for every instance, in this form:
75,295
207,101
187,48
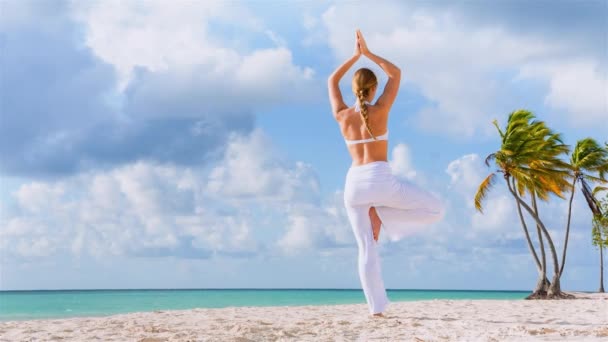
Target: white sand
434,320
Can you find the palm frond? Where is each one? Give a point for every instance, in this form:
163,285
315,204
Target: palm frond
495,122
521,188
599,189
483,190
489,158
594,179
589,155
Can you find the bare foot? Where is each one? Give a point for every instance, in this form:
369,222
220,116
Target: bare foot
376,223
378,315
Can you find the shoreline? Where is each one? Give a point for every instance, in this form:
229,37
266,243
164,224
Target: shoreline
583,318
30,305
258,289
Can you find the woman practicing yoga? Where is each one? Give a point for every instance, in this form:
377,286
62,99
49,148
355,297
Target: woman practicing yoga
372,195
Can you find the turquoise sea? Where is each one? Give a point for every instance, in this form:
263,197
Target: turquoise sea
23,305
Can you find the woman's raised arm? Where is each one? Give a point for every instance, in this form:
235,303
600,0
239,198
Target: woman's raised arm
392,71
333,82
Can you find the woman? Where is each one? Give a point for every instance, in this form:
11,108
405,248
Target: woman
372,195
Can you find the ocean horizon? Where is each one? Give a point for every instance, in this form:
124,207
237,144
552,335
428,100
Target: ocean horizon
66,303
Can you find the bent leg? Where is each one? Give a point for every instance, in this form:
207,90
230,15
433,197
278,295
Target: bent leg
376,223
370,272
408,210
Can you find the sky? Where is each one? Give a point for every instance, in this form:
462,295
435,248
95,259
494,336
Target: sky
190,144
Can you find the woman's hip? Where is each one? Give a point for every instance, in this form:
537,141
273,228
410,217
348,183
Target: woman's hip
373,172
369,185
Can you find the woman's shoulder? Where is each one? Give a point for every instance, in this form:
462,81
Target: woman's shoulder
346,113
377,110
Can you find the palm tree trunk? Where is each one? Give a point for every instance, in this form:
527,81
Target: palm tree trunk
554,289
544,283
601,269
530,244
561,270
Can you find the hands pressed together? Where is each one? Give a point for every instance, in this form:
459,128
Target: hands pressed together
360,45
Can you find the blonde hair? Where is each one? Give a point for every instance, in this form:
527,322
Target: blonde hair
363,81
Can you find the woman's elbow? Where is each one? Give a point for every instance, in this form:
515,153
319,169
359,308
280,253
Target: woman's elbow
397,72
331,80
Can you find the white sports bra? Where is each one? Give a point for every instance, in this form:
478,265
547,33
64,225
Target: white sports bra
362,141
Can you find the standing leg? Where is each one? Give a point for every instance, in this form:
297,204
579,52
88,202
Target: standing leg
370,272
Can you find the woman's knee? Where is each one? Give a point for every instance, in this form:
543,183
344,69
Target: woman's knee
368,262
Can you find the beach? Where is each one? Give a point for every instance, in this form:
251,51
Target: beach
581,319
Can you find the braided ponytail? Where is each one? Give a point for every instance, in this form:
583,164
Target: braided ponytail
361,95
363,81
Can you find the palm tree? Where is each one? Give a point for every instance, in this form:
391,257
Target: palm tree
599,232
551,173
529,161
588,158
556,183
552,148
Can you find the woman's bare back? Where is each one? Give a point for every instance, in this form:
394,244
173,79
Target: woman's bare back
353,128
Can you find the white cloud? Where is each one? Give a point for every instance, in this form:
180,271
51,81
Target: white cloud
401,162
137,209
163,36
148,209
157,34
315,34
39,247
317,227
576,86
34,197
466,173
253,171
299,235
499,216
499,219
251,168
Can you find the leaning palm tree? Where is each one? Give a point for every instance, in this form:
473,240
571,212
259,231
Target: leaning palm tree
555,183
588,159
548,149
551,173
529,161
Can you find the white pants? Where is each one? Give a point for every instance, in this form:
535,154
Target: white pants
403,209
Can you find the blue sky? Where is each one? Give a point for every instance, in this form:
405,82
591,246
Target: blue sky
190,143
